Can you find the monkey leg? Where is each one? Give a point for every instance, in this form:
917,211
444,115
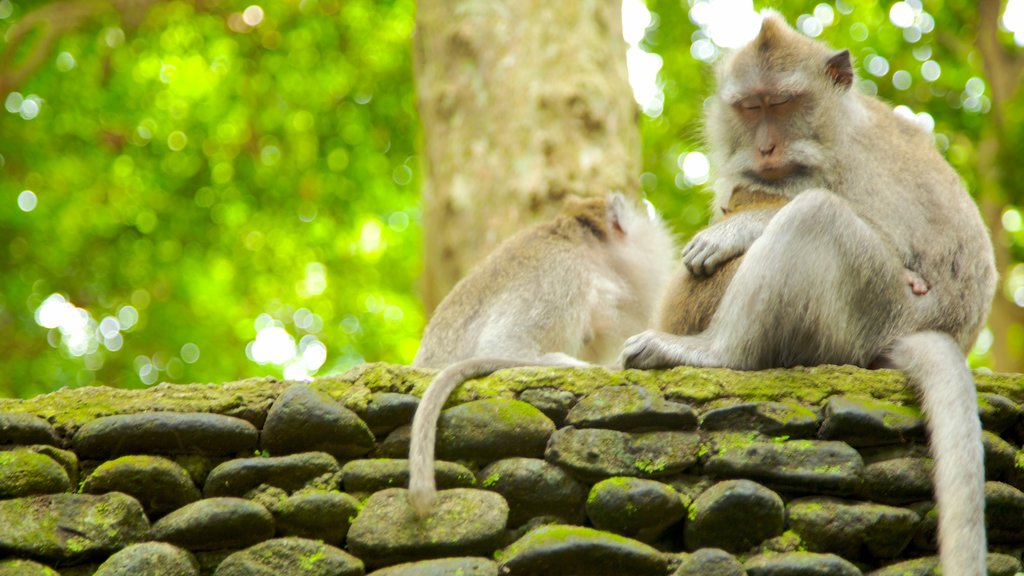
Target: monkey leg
819,286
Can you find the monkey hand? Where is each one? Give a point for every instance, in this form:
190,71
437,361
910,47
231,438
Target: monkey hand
715,245
651,350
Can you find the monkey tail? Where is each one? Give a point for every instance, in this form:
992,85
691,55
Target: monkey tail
936,367
422,488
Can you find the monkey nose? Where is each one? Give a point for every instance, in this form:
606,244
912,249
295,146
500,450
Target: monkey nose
768,150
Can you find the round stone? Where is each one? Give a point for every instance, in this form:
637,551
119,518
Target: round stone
735,516
25,473
214,523
634,507
305,420
709,561
554,403
164,433
290,557
290,473
150,559
852,529
20,428
18,567
443,567
513,428
800,564
372,475
316,514
534,488
387,411
630,408
769,418
593,454
157,483
550,550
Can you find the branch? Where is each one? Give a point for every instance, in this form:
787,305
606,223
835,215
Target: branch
1003,68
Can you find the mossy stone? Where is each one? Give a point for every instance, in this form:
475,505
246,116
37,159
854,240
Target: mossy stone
593,454
734,515
305,420
998,413
709,562
150,559
372,475
443,567
19,567
290,557
897,481
214,523
813,466
553,402
317,514
157,483
290,473
862,421
630,408
164,433
463,522
1000,455
492,429
1004,513
852,529
769,418
388,410
67,459
20,428
635,507
996,565
70,527
395,446
25,473
535,488
575,550
800,564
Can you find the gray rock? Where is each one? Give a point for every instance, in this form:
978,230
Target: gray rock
67,459
150,559
578,551
387,411
534,488
443,567
926,535
768,418
800,564
17,567
997,565
157,483
1004,513
897,481
89,525
592,454
371,475
630,408
214,523
395,446
464,522
290,557
709,562
798,465
492,429
20,428
24,473
290,473
635,508
998,413
999,455
554,403
868,422
735,516
164,433
852,529
305,420
320,515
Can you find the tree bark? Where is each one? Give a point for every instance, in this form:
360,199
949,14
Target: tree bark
522,103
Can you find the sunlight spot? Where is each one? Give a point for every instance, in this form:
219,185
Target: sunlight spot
27,201
902,14
65,62
177,141
1011,220
728,23
253,15
876,65
370,237
315,281
902,80
810,25
190,353
273,345
696,168
931,70
984,342
824,14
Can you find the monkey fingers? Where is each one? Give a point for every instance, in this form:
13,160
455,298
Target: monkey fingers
651,350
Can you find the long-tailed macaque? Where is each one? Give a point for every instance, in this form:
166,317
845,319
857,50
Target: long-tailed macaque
564,293
824,279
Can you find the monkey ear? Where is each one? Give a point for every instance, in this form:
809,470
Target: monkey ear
617,212
840,69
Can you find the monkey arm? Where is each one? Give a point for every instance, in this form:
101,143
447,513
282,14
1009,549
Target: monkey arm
721,242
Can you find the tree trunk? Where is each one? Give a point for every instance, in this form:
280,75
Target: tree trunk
522,102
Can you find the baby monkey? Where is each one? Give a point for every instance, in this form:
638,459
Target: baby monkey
564,293
697,288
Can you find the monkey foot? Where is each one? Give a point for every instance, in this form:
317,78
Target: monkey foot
652,350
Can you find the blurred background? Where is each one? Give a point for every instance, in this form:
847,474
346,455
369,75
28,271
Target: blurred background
211,190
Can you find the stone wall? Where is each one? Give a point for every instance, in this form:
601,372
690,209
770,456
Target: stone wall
545,471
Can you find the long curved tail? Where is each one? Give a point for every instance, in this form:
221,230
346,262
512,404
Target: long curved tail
936,367
422,489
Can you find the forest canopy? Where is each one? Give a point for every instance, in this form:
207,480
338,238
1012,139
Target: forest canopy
205,191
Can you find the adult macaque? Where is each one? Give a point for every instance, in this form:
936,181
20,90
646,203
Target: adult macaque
564,293
824,280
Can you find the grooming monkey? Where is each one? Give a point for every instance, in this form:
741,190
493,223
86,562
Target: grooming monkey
564,293
823,279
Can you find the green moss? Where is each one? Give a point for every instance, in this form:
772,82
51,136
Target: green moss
691,514
310,562
491,480
780,439
650,466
